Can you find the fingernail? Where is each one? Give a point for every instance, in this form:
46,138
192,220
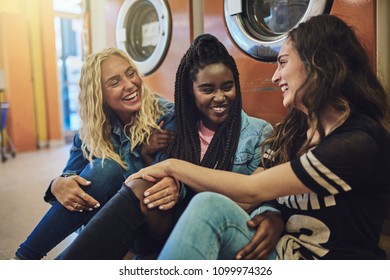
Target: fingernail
150,205
146,194
88,182
90,209
161,207
80,210
146,201
97,205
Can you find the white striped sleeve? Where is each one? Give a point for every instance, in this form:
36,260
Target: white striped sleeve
322,175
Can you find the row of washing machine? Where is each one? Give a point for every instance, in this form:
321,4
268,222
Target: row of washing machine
156,34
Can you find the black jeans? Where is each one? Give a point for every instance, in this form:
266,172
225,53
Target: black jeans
112,232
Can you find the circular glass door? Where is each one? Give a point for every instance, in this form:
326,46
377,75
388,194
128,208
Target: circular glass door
143,30
259,27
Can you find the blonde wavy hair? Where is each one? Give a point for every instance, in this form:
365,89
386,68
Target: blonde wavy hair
95,128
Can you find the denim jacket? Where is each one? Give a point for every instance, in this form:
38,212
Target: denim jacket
248,154
121,144
253,133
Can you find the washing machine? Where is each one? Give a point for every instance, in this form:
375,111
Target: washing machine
156,35
254,30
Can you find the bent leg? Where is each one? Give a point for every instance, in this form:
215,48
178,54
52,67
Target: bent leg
212,227
159,222
58,222
111,232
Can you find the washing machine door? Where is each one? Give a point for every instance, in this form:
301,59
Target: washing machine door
143,30
259,27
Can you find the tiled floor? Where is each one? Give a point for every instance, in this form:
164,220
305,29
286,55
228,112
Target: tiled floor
23,181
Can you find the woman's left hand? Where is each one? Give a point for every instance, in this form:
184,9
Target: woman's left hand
269,227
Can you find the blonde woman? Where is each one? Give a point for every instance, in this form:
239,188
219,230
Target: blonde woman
121,132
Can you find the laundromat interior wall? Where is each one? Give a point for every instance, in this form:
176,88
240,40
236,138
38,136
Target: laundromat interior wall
28,60
383,42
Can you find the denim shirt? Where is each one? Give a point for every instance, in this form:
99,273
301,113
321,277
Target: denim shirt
121,144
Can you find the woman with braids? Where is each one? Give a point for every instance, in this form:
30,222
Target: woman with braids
119,133
212,131
328,165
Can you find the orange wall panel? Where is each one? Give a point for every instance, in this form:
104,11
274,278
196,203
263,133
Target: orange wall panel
51,80
361,15
111,10
16,62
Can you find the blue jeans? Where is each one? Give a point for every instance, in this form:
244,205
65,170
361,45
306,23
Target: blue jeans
58,222
212,227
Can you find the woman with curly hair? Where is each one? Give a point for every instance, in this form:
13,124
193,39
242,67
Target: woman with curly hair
120,133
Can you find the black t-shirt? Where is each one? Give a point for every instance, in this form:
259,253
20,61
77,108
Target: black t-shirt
349,176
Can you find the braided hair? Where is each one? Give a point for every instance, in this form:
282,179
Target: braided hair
205,50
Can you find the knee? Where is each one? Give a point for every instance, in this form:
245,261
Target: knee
204,201
107,166
106,178
139,186
207,202
209,198
103,170
153,216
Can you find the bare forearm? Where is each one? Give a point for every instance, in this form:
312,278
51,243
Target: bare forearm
200,179
244,189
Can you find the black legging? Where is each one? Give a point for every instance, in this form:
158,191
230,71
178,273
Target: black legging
112,232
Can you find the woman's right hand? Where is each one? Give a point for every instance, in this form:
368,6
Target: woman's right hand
68,192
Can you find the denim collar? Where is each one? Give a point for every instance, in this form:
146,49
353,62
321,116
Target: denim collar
117,127
244,120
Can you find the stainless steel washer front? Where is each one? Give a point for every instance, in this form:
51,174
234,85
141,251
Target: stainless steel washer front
143,30
259,27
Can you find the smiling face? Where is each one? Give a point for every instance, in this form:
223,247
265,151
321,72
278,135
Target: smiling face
214,93
290,74
121,87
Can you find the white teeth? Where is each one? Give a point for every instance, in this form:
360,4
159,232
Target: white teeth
284,88
219,109
131,96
